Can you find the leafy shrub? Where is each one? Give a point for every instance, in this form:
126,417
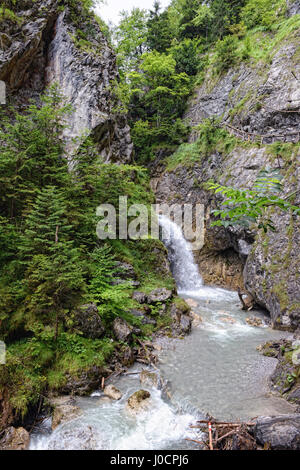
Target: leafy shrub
226,54
186,55
263,12
246,207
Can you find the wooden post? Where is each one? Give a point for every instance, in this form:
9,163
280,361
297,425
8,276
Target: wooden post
210,437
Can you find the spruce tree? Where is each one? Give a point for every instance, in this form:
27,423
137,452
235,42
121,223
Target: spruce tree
55,268
31,153
159,35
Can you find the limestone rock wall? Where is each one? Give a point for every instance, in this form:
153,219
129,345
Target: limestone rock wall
41,50
260,98
255,98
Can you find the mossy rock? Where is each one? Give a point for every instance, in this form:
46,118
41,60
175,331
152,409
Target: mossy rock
138,402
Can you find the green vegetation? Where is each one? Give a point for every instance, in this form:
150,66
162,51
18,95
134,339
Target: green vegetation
51,260
263,13
163,54
210,137
8,15
246,207
226,54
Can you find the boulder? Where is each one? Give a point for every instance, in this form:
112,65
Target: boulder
178,308
293,7
62,400
182,322
140,297
243,441
122,330
185,325
125,270
162,310
88,321
112,392
159,295
144,319
125,273
247,300
138,402
15,439
150,379
83,382
65,410
294,396
104,400
279,432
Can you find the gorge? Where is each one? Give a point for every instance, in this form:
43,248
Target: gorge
180,103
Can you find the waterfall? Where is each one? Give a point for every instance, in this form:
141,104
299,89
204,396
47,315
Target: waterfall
183,266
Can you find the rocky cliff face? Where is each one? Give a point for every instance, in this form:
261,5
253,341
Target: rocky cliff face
262,98
43,47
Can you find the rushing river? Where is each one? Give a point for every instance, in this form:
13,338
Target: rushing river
216,370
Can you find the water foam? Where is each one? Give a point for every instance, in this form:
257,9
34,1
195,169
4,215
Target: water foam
184,269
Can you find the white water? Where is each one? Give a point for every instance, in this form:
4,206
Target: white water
181,259
105,424
216,370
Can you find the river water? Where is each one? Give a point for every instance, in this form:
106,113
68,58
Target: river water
215,370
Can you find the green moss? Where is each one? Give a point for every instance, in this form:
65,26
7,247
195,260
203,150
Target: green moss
8,15
294,307
36,365
280,290
182,306
56,379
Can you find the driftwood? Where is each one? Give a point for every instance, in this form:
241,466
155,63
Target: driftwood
226,435
151,358
197,442
222,423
